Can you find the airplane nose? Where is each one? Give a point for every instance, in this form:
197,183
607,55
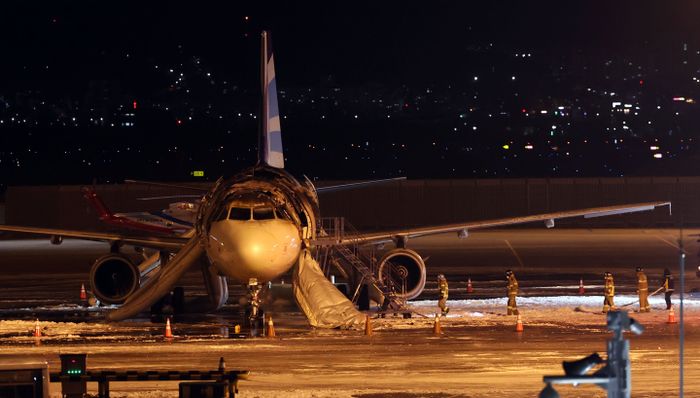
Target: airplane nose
251,249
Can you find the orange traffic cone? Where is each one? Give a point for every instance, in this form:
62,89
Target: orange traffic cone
437,329
168,330
671,316
470,289
270,327
37,329
581,290
368,326
83,296
519,324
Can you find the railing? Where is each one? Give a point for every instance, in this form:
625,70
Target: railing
333,231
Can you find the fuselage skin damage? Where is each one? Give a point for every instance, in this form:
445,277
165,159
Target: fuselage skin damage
256,223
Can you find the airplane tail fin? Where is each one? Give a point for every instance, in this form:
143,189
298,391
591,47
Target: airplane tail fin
102,210
270,145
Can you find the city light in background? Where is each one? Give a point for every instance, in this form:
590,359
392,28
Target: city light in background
163,96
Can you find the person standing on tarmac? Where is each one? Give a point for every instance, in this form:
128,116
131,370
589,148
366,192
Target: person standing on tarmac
668,286
512,293
609,293
444,293
643,290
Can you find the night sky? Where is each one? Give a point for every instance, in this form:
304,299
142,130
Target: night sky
357,42
75,57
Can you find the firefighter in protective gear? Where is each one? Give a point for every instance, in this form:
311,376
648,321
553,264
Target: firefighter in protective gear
668,287
609,293
444,293
512,293
643,290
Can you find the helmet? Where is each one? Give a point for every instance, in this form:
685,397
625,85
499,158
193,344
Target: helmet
639,269
509,273
667,271
441,276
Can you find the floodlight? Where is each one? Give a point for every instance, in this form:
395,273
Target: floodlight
619,321
636,327
549,392
580,367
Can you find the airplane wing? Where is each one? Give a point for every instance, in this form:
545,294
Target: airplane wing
166,185
167,243
353,185
463,228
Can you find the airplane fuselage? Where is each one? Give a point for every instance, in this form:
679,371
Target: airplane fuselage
257,223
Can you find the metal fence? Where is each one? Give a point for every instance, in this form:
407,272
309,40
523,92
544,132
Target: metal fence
404,203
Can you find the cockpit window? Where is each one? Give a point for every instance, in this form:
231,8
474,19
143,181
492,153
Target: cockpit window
239,213
263,213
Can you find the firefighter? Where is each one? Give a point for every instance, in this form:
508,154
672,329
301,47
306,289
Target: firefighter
643,290
512,292
668,286
444,293
609,292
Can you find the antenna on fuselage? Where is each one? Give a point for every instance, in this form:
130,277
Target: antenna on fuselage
270,151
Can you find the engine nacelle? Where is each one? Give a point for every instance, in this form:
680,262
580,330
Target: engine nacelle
114,278
403,266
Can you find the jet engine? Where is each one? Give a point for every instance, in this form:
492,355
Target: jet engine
405,269
114,278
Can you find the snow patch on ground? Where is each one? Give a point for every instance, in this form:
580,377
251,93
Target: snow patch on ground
553,301
53,328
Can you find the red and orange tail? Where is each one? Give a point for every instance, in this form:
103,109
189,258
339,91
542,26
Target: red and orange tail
102,210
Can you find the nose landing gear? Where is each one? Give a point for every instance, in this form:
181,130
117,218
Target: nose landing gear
256,317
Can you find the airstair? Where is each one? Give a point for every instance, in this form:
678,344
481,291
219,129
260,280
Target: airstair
339,247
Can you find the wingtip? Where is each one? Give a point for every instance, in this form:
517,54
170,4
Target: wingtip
661,204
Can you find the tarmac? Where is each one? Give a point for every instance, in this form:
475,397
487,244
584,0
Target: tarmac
479,354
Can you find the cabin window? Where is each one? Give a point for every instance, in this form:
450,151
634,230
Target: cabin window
239,213
264,213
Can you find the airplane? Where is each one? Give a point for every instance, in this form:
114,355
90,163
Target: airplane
257,225
178,218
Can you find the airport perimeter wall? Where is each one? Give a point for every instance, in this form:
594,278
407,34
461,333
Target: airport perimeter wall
404,203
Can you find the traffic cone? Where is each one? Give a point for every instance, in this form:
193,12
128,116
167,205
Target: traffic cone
437,329
37,329
222,364
270,327
168,330
470,289
581,290
83,296
671,316
368,326
519,324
